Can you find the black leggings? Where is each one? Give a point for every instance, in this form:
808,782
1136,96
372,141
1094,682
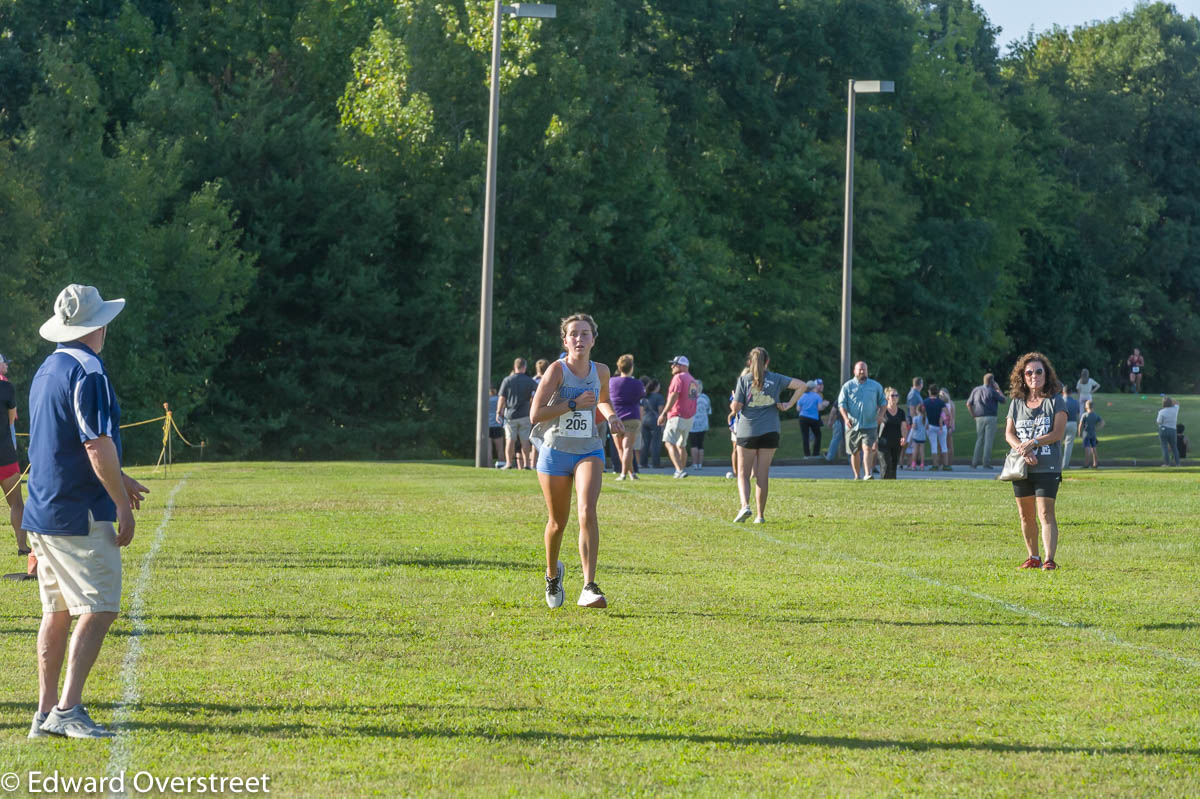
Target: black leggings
812,426
889,451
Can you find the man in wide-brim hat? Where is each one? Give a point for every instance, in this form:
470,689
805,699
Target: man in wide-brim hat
80,508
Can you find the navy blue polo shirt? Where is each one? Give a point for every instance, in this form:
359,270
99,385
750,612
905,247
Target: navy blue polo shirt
70,401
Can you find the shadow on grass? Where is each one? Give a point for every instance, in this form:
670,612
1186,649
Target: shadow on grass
1180,625
341,559
832,621
194,726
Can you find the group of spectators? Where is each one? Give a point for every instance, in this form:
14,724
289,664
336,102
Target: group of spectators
677,422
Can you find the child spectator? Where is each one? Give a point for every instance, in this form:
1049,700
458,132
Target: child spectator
917,436
1181,441
1089,423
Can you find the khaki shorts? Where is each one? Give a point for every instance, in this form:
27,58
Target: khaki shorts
518,429
855,439
79,574
676,431
633,429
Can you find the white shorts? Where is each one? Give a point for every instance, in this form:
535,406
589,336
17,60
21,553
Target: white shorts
937,439
77,573
676,430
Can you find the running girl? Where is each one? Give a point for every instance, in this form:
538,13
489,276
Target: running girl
571,401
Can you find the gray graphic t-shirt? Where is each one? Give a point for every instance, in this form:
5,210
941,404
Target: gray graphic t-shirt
759,415
1037,422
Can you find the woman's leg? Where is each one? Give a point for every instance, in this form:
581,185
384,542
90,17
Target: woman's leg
16,508
762,470
743,457
1045,509
557,491
589,475
1027,510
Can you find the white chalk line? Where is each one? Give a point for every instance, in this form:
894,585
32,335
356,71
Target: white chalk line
1012,607
120,755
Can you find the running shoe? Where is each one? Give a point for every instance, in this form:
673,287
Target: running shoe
728,475
592,597
868,476
620,477
1049,566
634,475
554,589
74,723
759,520
1032,563
683,474
743,514
35,729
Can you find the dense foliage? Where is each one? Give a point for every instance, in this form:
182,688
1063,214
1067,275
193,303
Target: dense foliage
289,192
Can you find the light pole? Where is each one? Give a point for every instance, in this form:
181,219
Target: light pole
856,87
537,10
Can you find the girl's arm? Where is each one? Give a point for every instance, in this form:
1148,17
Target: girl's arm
605,406
540,411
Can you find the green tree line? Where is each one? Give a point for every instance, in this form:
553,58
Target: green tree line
290,195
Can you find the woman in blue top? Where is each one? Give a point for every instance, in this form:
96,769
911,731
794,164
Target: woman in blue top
567,410
756,405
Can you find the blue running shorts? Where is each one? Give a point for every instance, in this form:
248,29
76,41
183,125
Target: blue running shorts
563,464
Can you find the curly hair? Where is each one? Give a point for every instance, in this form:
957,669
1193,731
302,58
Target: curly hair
1016,380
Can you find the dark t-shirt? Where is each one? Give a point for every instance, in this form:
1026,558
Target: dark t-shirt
1090,420
891,431
517,391
8,400
654,405
933,411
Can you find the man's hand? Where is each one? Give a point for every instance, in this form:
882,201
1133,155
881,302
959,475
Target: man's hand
125,525
136,491
585,401
616,425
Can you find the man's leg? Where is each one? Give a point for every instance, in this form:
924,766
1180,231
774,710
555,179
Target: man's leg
510,451
51,651
989,439
980,432
526,455
1068,443
85,648
868,457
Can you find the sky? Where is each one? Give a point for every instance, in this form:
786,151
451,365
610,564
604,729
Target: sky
1015,16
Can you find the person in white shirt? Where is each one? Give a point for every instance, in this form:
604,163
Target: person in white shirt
1168,417
1086,387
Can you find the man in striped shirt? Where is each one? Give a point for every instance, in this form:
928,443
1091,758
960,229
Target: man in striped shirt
80,508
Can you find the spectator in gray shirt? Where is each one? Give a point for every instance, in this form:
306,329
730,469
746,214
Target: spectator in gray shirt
983,403
1072,406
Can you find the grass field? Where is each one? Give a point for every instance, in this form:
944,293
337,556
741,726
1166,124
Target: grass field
1129,435
379,629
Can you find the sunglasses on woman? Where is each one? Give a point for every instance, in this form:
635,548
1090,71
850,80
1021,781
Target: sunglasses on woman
1032,372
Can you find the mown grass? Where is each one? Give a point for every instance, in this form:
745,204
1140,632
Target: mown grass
378,629
1129,435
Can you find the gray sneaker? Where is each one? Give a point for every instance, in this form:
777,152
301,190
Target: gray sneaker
35,729
74,723
554,589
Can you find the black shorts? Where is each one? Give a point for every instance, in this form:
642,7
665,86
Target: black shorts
1039,484
765,441
495,432
696,440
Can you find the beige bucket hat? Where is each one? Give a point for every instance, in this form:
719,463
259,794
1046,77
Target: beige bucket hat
79,310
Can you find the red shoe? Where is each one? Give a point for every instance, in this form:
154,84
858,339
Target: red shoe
1033,562
1049,566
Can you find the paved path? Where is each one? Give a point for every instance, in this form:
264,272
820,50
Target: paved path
836,472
